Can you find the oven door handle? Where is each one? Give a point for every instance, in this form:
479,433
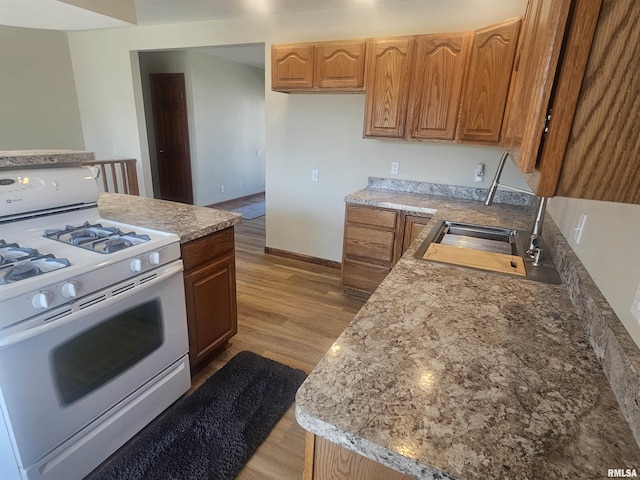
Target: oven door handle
77,310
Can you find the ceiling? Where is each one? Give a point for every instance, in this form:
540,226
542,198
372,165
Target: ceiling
70,15
91,14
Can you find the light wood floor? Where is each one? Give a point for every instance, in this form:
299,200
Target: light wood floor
289,311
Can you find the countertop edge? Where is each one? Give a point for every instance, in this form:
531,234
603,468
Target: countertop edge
188,222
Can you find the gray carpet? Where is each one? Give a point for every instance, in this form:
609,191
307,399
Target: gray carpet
252,211
211,434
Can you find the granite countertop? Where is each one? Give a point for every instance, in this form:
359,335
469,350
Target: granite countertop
39,158
448,372
187,221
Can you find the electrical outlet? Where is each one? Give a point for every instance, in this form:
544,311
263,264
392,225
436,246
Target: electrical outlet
221,188
395,167
635,307
479,173
314,175
577,232
240,185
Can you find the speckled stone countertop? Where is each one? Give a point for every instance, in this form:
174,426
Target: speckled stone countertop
39,158
448,372
187,221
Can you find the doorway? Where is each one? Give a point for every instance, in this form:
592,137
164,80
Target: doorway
225,108
171,132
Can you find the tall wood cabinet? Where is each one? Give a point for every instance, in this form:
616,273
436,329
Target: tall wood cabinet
374,240
210,291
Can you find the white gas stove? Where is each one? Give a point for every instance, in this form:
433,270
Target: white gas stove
92,325
47,260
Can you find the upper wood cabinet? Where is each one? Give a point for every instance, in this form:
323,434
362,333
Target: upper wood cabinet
389,65
436,86
292,66
340,65
487,82
573,116
318,67
449,87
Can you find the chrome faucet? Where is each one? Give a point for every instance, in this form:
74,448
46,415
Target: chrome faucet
534,249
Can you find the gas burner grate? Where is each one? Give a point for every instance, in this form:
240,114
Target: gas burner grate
30,267
96,237
12,252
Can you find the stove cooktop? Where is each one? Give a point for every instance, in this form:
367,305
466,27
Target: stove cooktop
96,237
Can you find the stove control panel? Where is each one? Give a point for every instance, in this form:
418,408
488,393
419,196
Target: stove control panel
27,191
72,288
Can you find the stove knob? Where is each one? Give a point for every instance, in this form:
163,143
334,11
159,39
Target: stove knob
70,290
135,265
42,299
154,258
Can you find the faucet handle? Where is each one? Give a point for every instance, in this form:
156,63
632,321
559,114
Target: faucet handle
537,253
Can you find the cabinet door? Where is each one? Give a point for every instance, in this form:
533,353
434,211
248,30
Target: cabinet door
211,308
533,73
436,86
487,82
340,65
413,225
389,63
292,66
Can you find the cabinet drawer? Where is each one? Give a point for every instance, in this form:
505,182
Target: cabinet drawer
203,250
362,276
371,216
374,245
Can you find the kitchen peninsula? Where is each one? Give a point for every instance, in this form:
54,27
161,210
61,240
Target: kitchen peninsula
448,372
208,253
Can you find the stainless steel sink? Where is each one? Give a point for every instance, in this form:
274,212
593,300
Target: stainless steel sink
490,239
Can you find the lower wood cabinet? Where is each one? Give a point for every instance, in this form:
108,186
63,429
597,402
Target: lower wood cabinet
210,291
325,460
374,240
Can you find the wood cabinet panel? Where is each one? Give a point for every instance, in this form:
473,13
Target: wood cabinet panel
375,245
205,249
340,65
374,217
603,146
389,63
374,240
333,462
436,86
413,225
362,276
532,77
487,82
292,66
210,293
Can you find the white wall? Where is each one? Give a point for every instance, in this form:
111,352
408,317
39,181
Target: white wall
38,103
229,124
608,249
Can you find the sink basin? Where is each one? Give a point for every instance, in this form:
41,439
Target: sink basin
494,249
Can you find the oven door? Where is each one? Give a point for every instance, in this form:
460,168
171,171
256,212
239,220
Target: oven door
58,377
